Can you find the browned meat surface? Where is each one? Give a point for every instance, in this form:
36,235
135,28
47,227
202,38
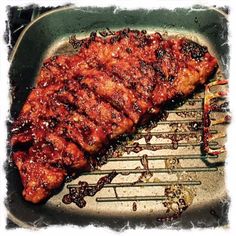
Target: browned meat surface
114,123
117,94
84,101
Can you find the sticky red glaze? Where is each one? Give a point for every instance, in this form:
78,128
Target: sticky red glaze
83,101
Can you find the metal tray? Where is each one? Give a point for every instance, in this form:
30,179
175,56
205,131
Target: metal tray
48,35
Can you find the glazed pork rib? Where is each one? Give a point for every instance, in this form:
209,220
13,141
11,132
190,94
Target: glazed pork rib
84,101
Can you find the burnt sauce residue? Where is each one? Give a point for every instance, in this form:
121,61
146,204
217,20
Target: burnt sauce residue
77,194
134,206
174,137
178,199
147,174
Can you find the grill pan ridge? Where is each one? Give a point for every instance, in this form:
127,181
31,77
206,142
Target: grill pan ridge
124,199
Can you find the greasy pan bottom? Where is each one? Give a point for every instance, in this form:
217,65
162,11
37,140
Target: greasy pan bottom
113,205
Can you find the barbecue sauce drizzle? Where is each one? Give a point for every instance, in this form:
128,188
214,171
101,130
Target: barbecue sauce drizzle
77,194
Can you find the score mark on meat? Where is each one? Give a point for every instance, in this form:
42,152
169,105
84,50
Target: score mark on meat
83,102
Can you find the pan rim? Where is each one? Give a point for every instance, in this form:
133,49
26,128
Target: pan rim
12,55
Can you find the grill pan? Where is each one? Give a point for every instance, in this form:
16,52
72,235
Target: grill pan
122,202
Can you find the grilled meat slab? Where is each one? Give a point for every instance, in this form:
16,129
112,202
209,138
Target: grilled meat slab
84,101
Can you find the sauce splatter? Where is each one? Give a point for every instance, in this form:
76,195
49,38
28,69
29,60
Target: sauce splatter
77,194
134,206
179,198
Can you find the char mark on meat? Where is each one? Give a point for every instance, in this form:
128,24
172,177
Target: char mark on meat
83,101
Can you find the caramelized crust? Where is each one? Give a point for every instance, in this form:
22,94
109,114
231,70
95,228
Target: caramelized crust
83,101
114,123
